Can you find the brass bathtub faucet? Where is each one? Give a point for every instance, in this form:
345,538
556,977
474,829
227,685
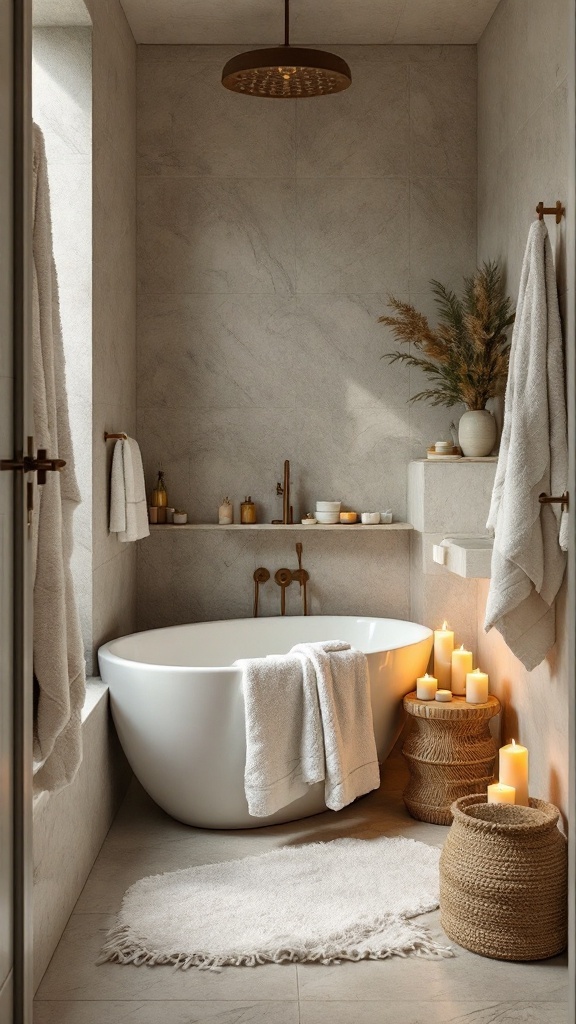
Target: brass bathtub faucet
283,577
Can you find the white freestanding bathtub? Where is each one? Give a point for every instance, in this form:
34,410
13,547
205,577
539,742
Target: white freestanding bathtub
178,705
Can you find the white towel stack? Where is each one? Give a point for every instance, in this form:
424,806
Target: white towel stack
528,562
128,508
308,719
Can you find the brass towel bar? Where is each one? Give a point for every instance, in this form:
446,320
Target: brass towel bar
558,210
548,499
115,437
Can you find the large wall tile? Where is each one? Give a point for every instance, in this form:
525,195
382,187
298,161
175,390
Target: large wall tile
442,231
191,125
443,120
360,133
267,251
523,134
211,574
351,234
216,235
211,351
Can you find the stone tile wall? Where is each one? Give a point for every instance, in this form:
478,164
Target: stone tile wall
523,157
269,238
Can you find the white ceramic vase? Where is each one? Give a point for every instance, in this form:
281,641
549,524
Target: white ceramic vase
477,433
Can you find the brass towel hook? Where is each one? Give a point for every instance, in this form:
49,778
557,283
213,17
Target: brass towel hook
558,210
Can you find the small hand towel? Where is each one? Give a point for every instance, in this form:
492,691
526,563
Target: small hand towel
528,562
284,746
128,509
347,724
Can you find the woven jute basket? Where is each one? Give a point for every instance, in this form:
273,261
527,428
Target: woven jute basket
503,879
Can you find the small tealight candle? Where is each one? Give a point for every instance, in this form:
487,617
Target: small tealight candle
476,687
513,761
461,666
443,647
426,687
443,696
498,793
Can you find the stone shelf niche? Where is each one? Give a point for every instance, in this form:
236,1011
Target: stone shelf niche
325,528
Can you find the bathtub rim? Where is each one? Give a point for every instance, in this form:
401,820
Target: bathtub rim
110,656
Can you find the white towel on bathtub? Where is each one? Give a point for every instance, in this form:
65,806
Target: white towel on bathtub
347,725
284,747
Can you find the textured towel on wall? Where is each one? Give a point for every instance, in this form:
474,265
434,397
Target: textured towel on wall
59,666
128,508
528,562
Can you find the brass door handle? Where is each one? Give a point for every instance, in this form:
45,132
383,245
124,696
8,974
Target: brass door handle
39,464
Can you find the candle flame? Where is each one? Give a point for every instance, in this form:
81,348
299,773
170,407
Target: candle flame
426,676
513,743
462,647
444,624
477,671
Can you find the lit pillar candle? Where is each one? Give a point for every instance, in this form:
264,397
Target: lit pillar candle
476,687
498,793
513,761
461,666
443,647
426,687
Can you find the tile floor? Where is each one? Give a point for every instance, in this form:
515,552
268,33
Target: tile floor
143,840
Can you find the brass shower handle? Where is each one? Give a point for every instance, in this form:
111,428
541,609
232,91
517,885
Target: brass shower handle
283,578
261,575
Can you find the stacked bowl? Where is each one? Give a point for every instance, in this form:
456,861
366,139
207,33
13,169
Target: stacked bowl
328,512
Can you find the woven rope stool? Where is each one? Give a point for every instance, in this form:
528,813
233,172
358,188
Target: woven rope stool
450,753
503,880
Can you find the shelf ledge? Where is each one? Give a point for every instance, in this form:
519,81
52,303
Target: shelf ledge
324,528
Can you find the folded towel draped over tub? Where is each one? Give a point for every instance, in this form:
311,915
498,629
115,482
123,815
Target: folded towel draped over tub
308,720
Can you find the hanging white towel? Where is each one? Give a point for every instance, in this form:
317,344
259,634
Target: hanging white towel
347,724
284,747
528,563
128,509
59,666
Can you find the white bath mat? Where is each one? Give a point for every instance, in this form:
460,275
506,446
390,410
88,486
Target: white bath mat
349,899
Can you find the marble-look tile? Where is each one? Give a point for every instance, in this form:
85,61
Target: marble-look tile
69,828
443,981
359,134
200,352
216,235
358,458
442,231
114,597
443,120
434,1013
169,1010
189,125
206,576
352,235
74,974
533,59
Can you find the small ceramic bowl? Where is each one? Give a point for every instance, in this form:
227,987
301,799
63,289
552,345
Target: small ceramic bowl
328,518
348,517
370,518
309,521
328,506
180,518
386,517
